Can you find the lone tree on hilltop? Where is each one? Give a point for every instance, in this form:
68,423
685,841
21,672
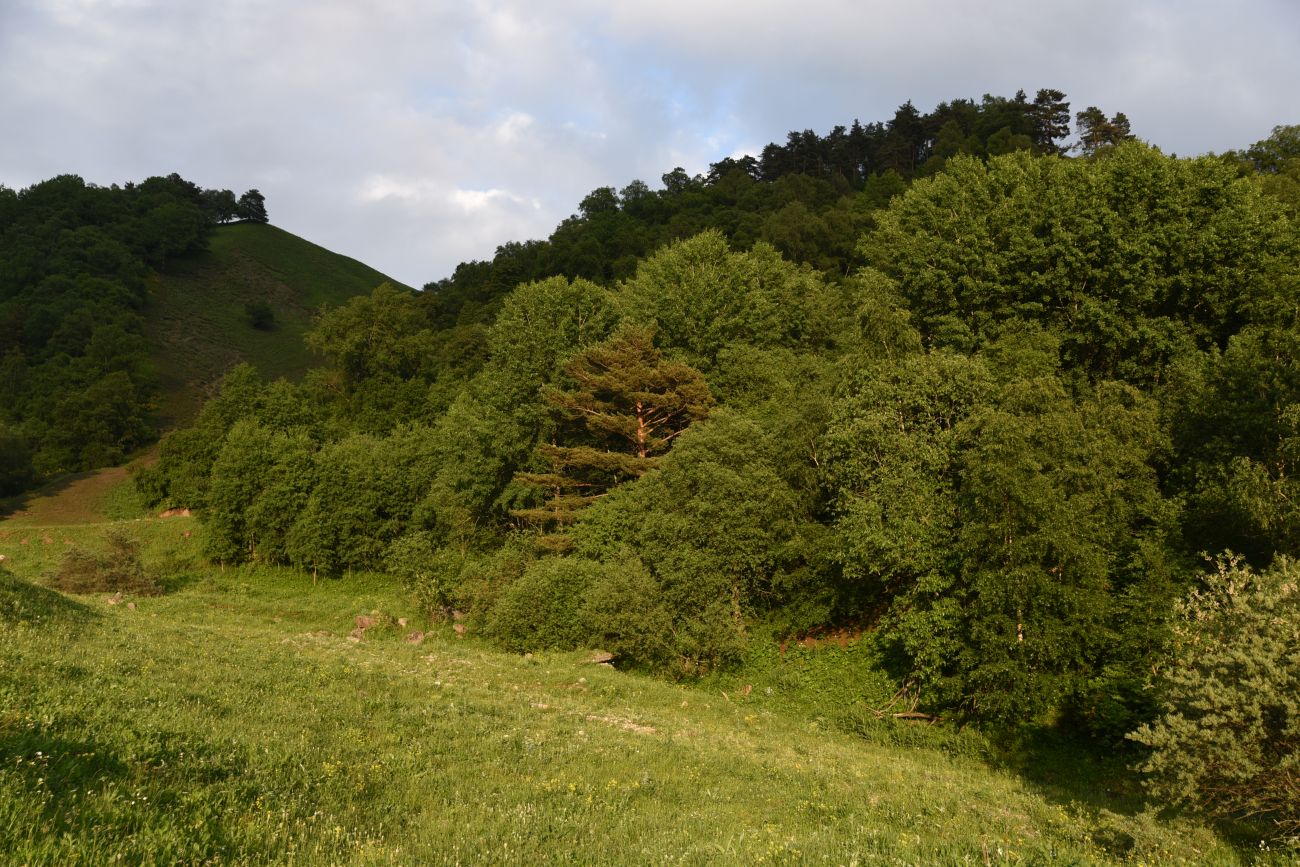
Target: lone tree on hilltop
252,207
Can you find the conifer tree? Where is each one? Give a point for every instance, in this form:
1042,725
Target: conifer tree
625,407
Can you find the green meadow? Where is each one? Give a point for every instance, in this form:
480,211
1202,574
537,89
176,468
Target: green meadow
233,720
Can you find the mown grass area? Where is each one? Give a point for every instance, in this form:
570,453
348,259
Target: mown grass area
233,721
197,323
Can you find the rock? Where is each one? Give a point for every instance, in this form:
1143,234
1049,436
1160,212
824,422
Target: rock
459,628
415,638
115,599
401,622
364,622
175,513
600,657
457,615
130,606
357,634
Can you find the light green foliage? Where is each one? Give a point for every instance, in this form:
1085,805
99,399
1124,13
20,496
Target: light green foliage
26,604
541,324
261,481
1228,741
378,345
233,722
431,572
702,297
890,463
540,610
1129,256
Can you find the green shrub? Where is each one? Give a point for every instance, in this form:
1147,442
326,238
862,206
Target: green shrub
623,613
119,570
540,610
1228,741
430,573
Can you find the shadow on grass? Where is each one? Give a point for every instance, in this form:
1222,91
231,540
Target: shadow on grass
24,602
10,506
80,792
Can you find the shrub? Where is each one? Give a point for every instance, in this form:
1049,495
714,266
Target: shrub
260,315
623,613
1228,741
119,570
540,610
430,573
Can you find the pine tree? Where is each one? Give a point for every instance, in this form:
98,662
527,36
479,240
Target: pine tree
626,406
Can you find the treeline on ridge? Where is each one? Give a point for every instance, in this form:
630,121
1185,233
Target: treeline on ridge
76,384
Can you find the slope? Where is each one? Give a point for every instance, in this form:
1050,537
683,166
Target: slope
198,325
233,720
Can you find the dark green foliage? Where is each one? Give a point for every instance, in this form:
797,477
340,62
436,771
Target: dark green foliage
1013,531
252,207
996,448
365,493
1228,738
1096,132
624,407
623,612
260,315
75,378
718,528
119,570
16,471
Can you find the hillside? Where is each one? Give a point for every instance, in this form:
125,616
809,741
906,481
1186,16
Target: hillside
197,326
234,721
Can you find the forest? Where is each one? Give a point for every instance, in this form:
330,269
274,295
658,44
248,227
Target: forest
1023,412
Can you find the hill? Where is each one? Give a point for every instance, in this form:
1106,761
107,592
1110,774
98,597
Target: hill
198,324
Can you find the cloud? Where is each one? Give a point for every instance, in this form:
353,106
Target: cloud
414,134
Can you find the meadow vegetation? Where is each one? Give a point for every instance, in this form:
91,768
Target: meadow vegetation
232,721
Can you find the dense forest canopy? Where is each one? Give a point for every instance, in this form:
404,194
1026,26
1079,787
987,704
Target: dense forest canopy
1000,431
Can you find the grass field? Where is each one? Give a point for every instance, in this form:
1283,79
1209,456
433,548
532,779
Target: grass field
198,325
233,721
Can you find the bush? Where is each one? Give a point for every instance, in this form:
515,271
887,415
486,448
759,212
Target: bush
540,610
119,570
260,315
1228,741
430,573
623,612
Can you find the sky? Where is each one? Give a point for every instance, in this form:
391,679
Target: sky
416,134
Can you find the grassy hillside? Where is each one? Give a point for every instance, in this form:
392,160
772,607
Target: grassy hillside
197,322
234,721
